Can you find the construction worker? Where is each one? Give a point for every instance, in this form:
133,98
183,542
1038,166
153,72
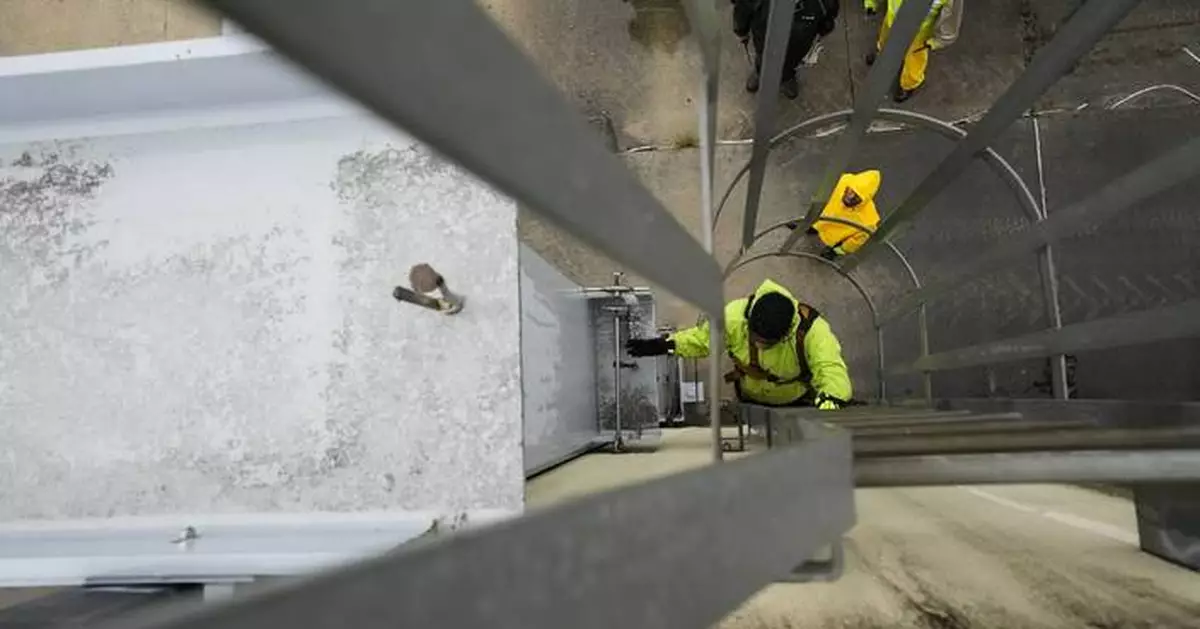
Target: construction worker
811,19
784,352
937,31
853,199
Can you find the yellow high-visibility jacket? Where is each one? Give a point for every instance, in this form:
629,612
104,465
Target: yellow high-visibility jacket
781,375
845,237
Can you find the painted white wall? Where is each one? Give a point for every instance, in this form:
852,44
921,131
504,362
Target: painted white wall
200,321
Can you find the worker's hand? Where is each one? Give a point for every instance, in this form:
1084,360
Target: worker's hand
639,348
828,402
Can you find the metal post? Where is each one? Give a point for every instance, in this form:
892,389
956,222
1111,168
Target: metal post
880,364
1058,363
1089,23
703,14
618,440
1126,466
881,77
779,30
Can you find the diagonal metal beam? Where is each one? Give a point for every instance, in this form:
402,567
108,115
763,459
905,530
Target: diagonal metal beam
445,73
779,30
1103,466
1164,172
1162,324
881,77
1089,23
659,554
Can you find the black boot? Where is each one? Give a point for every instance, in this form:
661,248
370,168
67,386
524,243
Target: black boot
870,58
752,82
790,88
829,254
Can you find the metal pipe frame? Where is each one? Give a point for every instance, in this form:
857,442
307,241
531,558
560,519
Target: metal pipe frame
1085,27
1164,172
1046,440
994,426
1125,466
1161,324
779,30
1059,388
938,419
703,15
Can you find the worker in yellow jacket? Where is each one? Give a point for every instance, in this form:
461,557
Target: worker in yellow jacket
937,31
853,199
784,353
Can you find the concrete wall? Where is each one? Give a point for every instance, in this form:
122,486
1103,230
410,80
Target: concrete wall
35,26
200,321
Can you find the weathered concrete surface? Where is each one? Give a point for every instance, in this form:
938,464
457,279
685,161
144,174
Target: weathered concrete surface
35,26
201,321
998,557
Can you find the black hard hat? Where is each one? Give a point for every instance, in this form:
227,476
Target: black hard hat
771,317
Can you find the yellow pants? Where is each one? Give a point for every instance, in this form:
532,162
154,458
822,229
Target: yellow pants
912,73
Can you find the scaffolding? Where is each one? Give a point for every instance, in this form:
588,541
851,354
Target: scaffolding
417,65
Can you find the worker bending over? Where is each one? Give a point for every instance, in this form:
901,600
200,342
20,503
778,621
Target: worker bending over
784,352
937,31
853,200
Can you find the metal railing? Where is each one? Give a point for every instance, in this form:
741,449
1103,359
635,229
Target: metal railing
666,553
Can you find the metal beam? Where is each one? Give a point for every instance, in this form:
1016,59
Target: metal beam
1166,171
1126,466
925,420
418,64
589,564
1061,439
1162,324
1114,413
779,30
1059,387
881,77
999,425
1088,24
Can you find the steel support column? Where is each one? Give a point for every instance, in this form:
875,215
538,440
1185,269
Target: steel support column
779,31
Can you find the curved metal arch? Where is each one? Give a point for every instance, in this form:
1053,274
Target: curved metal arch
1025,198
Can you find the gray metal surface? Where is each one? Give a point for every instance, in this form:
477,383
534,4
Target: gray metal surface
558,371
766,103
925,420
1163,324
1125,466
1061,439
523,138
1169,520
1168,170
638,399
576,565
1088,24
879,80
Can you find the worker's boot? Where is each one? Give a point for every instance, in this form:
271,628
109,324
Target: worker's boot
790,88
870,59
752,82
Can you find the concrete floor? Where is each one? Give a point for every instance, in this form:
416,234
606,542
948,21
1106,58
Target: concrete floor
37,26
946,558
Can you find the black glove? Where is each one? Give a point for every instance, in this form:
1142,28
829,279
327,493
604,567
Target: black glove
639,348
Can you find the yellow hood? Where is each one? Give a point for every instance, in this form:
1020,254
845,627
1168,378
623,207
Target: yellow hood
865,184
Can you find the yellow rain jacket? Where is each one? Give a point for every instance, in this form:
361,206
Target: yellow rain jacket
844,238
777,374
